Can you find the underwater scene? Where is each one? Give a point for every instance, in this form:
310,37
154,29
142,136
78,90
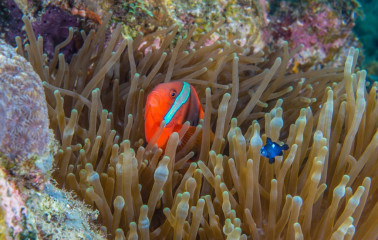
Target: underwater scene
212,119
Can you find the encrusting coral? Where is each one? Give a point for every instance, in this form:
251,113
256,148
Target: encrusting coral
45,26
23,113
323,27
11,208
30,206
321,188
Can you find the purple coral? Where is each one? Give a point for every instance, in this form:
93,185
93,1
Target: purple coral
53,26
10,20
24,126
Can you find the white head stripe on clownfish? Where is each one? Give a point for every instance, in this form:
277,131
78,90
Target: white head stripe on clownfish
179,101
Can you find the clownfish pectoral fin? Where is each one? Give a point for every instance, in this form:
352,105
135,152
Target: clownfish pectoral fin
185,139
271,160
285,147
187,135
193,113
196,145
197,141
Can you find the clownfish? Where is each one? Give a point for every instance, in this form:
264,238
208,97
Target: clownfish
272,149
175,103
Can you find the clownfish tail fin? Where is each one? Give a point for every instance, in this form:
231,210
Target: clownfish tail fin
285,147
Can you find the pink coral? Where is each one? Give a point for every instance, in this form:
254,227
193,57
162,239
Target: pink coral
320,29
11,203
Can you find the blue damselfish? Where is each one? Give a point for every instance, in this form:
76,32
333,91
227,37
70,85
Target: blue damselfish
272,149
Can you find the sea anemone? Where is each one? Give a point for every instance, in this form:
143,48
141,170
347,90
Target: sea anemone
321,188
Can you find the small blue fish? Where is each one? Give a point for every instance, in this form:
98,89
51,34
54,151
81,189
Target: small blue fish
272,149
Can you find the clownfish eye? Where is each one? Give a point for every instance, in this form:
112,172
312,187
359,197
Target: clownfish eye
172,93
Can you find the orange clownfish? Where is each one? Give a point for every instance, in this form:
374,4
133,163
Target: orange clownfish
175,103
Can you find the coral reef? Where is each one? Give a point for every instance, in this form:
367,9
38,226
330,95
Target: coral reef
320,28
12,207
243,23
27,213
139,16
53,25
11,23
30,206
53,21
57,215
244,20
320,188
24,124
324,28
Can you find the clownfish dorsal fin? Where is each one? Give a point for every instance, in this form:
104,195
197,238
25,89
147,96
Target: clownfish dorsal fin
268,140
193,113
